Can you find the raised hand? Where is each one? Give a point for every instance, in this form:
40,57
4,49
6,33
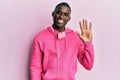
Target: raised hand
86,32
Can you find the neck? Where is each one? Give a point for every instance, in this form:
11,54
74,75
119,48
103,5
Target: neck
60,29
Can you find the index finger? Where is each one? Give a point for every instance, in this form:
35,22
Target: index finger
81,26
90,28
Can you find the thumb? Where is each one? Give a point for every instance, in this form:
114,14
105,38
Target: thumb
80,35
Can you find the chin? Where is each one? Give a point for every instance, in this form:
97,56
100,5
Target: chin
61,25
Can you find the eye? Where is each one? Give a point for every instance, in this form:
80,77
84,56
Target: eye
66,14
58,12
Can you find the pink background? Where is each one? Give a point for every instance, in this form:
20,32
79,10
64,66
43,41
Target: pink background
21,20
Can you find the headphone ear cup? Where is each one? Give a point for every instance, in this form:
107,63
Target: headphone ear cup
61,35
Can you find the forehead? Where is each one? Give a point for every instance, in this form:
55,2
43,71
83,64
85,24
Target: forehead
63,9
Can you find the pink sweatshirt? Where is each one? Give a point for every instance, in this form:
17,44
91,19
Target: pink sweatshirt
56,59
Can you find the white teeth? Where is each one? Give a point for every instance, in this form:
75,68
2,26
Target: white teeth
60,21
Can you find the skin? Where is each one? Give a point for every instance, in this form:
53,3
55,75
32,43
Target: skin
62,13
86,31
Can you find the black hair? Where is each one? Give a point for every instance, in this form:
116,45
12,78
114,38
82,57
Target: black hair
63,4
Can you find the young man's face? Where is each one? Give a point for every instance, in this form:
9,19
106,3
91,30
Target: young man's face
61,16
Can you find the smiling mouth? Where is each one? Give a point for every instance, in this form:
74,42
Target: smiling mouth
60,21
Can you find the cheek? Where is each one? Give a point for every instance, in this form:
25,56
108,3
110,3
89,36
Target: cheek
56,17
67,19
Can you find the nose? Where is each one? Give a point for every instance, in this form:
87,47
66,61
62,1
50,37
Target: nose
62,15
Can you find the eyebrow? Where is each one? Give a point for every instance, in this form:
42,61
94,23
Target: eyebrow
62,12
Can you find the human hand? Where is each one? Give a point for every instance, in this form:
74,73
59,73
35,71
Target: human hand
86,32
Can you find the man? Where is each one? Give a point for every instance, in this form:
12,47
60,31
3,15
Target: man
56,49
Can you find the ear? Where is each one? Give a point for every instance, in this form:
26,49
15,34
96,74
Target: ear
69,18
53,13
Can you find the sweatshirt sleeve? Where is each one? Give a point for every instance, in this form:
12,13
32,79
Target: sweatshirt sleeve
36,61
86,55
